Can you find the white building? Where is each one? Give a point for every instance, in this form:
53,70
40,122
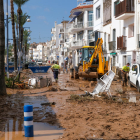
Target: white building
81,28
59,46
117,22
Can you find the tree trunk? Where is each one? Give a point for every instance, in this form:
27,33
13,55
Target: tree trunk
14,38
2,49
19,11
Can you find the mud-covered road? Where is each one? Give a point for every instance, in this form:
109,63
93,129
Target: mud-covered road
80,119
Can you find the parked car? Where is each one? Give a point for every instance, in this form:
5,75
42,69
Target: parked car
31,64
134,76
39,62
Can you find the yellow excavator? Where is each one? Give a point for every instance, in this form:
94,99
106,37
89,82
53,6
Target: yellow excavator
93,64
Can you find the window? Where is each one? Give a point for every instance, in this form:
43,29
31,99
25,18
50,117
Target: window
98,12
131,30
115,3
90,34
134,68
90,18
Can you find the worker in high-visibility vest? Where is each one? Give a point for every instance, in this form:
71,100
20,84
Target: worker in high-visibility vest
56,69
125,69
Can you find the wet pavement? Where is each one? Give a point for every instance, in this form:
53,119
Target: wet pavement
103,117
14,128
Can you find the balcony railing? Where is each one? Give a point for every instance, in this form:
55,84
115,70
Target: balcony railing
86,3
112,46
89,24
126,6
53,30
121,43
77,43
139,40
78,25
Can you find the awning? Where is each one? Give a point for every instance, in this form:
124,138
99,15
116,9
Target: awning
113,53
75,14
72,19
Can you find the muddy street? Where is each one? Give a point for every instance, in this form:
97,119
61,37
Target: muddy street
60,113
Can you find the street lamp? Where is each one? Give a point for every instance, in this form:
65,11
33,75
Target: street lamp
28,20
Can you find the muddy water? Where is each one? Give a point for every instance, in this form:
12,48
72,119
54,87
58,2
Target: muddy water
44,127
14,130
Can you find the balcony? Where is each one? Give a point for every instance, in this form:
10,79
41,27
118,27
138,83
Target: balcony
53,30
76,27
85,3
124,10
77,44
121,43
112,46
89,25
53,38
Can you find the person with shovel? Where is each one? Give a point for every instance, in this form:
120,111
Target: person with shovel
124,71
56,69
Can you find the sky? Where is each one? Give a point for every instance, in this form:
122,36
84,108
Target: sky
43,14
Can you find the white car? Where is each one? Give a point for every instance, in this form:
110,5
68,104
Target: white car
134,76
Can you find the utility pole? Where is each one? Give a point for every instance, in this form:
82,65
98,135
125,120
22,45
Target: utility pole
7,43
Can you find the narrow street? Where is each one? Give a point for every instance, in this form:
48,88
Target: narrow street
58,115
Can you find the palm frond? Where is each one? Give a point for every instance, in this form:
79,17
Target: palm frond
19,3
23,18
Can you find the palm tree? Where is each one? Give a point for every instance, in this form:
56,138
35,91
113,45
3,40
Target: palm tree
26,34
14,39
23,21
2,49
19,3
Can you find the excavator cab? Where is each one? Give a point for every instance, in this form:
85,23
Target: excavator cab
94,63
87,52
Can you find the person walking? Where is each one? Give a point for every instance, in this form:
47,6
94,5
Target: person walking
56,69
125,69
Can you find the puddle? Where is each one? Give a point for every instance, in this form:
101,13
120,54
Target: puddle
46,125
14,130
129,98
